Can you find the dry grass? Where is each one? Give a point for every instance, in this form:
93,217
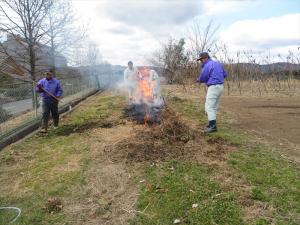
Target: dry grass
93,169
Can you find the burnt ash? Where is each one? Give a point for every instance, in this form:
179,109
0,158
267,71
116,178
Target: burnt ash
143,112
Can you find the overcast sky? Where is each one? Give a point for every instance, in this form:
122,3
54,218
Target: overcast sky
132,29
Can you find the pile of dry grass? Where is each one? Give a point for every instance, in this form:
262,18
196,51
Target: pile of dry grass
164,141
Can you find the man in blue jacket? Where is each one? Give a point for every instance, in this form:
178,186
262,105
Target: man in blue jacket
51,91
212,75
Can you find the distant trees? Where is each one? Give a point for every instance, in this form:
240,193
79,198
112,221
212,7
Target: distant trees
40,27
94,59
172,59
177,58
250,72
61,33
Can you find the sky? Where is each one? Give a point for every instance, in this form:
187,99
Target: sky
133,29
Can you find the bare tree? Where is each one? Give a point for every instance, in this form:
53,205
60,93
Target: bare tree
62,34
93,54
22,20
172,59
94,59
202,38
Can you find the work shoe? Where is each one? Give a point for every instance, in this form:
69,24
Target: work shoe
212,127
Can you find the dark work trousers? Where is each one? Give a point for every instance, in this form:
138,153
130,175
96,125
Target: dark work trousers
47,107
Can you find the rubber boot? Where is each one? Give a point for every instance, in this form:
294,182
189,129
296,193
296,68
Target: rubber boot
212,127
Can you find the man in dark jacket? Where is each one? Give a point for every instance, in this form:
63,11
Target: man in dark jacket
51,91
212,75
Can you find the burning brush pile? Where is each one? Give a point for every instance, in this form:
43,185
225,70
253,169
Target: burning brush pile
165,135
146,102
167,140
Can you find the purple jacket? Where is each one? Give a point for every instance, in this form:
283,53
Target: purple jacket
212,73
53,86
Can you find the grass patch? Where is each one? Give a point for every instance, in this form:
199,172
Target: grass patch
258,194
275,181
172,188
194,111
56,169
49,167
272,179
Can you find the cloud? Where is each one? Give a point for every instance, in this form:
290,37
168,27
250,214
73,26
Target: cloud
152,16
217,7
120,30
268,33
133,29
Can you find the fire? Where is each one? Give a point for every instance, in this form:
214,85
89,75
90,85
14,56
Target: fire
145,87
144,92
146,97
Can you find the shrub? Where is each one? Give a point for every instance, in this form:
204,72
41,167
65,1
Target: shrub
4,115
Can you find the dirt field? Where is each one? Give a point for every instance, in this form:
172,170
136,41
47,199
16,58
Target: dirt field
276,120
273,120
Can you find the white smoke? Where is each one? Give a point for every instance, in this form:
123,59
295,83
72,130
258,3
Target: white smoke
138,87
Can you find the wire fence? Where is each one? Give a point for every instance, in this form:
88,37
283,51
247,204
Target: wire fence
19,106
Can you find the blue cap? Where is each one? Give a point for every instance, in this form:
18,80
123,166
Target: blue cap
203,55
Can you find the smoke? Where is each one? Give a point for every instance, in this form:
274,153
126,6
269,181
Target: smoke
141,86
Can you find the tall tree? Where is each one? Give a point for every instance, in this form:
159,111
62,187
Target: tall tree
202,37
62,34
23,21
172,59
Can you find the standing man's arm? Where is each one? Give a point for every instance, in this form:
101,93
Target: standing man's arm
204,76
39,87
59,90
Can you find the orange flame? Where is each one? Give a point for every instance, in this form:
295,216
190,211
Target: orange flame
145,91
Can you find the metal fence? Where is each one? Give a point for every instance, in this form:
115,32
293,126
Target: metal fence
18,105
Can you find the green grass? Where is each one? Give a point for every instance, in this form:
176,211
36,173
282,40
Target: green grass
172,188
51,166
44,176
273,180
55,166
194,111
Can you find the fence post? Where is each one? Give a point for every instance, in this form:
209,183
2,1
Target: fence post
97,81
34,99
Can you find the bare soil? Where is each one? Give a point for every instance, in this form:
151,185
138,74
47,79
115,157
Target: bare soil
272,119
